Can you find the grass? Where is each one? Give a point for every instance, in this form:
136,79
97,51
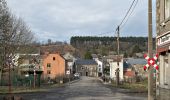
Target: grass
5,89
134,87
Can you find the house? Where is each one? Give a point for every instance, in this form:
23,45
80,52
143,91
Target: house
70,59
138,64
99,64
112,62
99,67
86,67
53,66
128,72
23,70
163,42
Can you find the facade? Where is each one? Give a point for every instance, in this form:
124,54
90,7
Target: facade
99,67
163,42
70,59
113,60
99,64
86,67
53,66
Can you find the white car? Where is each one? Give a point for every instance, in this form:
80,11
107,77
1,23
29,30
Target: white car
77,75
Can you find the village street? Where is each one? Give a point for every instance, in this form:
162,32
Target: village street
87,88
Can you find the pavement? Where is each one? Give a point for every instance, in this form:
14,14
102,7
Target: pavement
87,88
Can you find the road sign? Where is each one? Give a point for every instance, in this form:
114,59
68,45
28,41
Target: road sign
151,62
68,72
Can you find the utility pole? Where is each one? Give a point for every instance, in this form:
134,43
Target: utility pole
117,70
150,76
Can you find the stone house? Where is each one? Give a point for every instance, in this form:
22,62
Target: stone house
163,42
86,67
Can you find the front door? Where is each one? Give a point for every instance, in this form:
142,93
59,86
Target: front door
86,73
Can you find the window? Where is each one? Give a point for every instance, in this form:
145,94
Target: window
167,9
48,65
48,72
53,58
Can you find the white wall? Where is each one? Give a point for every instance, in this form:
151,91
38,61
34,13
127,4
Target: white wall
113,67
99,65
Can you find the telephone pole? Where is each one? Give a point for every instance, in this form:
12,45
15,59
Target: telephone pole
118,47
150,76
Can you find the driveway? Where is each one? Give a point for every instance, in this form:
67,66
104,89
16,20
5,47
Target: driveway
88,88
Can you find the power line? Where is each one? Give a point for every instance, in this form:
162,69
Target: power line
127,15
130,14
127,12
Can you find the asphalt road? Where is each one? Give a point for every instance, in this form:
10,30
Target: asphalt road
87,88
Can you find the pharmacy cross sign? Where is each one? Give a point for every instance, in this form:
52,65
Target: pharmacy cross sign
151,62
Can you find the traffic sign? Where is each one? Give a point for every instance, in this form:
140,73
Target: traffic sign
151,62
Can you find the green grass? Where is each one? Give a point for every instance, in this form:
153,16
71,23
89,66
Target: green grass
4,90
134,87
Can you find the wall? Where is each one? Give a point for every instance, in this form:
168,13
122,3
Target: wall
164,71
57,66
113,67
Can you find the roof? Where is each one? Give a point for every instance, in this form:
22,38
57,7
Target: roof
85,62
126,65
57,49
129,73
115,58
138,61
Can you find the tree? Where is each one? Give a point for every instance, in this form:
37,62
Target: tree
14,33
87,55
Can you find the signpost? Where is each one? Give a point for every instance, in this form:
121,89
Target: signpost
68,73
151,62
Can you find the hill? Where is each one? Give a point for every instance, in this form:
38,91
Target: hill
105,45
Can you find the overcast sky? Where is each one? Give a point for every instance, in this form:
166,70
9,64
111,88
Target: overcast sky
60,19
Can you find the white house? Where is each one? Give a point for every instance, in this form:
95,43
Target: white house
112,60
70,59
99,67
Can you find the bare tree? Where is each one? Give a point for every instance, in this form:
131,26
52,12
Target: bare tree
14,33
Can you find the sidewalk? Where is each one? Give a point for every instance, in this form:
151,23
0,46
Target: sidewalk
163,94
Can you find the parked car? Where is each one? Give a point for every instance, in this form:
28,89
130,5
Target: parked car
77,75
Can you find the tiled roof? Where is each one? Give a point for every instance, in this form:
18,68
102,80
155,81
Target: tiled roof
85,62
136,61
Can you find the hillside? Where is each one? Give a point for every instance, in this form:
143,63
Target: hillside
106,45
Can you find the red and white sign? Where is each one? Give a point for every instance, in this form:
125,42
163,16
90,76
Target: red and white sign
151,62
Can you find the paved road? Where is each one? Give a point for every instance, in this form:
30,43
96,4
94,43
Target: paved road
87,88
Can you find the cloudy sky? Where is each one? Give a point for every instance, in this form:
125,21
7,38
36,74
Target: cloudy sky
60,19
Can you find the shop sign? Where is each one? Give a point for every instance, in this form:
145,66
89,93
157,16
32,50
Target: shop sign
164,39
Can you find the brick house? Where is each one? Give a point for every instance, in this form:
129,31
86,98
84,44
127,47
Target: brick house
163,42
53,66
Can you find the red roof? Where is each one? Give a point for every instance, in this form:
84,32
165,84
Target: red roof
129,73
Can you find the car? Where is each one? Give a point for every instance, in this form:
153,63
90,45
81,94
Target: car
76,75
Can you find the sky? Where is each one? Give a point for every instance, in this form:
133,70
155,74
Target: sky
58,20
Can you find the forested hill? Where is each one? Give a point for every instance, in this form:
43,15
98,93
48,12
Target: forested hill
104,45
